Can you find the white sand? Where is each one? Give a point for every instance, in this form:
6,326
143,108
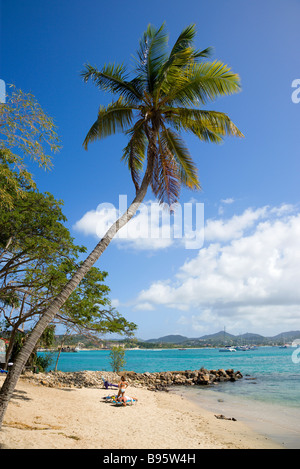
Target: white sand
39,417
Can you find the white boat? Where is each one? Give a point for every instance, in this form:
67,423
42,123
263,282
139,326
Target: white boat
246,348
227,349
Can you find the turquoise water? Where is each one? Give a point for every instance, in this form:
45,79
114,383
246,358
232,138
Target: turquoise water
267,398
277,377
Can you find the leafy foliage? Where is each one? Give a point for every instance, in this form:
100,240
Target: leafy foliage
37,258
26,132
117,359
35,362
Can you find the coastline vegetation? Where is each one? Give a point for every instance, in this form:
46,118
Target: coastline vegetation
175,342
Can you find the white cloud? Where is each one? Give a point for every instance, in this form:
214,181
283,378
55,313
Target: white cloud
115,303
96,222
248,279
225,230
227,201
144,306
153,227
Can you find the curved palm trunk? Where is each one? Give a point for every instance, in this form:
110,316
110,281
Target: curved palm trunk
14,374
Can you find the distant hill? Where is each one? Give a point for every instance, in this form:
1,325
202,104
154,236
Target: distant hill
287,336
220,338
169,339
217,336
225,337
249,338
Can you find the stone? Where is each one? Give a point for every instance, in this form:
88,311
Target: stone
154,381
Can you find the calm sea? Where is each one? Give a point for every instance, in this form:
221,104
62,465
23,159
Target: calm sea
268,396
277,377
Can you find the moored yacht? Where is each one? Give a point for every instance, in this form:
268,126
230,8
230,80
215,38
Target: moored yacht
227,349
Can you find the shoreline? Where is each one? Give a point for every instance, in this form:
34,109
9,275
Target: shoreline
40,417
279,423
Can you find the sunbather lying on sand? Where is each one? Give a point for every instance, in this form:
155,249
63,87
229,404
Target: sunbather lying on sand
125,399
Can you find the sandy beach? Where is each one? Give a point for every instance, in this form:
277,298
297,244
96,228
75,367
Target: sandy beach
40,417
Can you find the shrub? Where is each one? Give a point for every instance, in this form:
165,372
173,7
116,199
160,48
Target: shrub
117,358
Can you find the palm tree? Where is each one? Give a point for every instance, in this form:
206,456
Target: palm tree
153,108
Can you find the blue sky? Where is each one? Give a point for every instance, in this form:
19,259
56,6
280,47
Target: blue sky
246,276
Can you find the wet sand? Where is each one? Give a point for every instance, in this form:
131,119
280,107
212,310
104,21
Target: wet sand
278,423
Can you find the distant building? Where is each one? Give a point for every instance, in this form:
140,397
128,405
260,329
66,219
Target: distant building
113,344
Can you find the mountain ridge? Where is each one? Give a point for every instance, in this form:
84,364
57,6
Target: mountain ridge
225,336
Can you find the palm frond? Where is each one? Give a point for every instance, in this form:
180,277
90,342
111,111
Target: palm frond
114,118
203,82
113,78
165,182
186,167
213,126
134,152
151,55
185,41
182,54
206,125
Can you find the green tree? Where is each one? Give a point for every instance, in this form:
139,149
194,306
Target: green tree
152,108
37,257
117,359
88,308
26,132
35,362
32,233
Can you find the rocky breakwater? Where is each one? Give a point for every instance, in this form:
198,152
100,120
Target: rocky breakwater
159,381
164,380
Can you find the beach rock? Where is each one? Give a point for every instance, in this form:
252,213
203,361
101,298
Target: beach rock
153,381
222,417
203,378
